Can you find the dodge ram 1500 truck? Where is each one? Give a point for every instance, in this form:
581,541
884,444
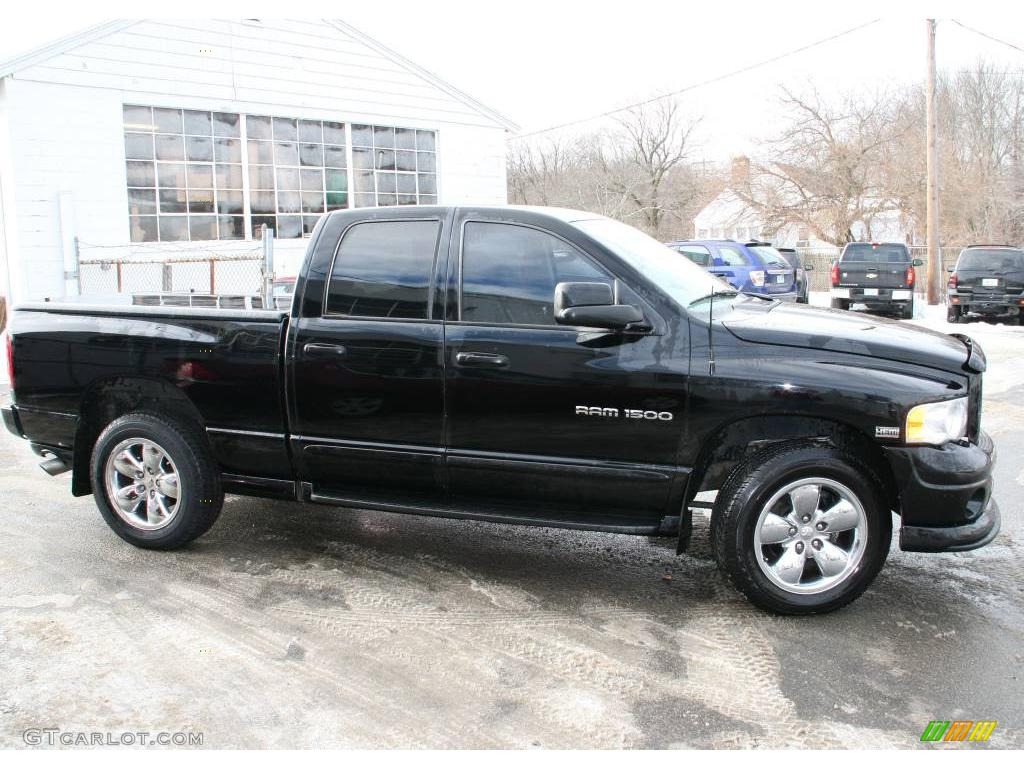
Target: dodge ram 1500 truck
525,365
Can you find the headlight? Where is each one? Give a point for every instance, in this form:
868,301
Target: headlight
757,277
937,423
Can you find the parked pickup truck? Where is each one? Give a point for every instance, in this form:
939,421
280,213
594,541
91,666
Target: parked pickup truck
523,365
879,275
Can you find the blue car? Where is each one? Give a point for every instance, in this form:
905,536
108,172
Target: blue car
748,267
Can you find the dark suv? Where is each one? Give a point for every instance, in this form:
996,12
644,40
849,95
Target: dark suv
879,275
802,279
988,280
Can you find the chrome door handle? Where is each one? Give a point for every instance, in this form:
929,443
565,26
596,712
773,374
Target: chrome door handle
480,360
324,350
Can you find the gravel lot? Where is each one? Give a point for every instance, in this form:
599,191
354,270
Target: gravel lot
295,626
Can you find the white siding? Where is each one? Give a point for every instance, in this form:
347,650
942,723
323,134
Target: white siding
62,122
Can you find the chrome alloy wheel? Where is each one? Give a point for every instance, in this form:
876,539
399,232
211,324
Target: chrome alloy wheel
810,536
142,484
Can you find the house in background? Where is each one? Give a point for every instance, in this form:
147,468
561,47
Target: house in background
730,216
148,135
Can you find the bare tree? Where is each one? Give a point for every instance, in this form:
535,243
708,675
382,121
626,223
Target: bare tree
639,157
826,167
636,171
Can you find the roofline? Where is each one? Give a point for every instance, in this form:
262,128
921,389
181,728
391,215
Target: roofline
63,45
70,42
426,74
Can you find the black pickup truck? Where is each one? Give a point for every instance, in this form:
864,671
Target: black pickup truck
523,365
878,275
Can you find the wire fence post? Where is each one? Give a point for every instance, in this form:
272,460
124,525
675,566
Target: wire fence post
213,276
268,267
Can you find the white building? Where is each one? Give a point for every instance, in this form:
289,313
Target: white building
148,134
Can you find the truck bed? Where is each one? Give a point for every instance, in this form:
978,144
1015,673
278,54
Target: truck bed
224,363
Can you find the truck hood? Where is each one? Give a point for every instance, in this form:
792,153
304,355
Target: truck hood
799,325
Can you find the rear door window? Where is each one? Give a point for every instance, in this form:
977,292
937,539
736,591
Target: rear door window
383,269
698,254
730,256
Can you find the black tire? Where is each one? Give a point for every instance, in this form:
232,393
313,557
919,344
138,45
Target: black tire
840,303
196,480
754,482
953,314
907,312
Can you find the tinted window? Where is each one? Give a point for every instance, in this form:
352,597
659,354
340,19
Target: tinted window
383,269
509,273
790,256
885,253
698,254
991,259
729,256
771,257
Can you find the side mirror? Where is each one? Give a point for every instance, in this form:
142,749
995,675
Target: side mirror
917,262
592,305
808,267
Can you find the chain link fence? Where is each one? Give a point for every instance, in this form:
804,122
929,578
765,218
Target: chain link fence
186,269
821,260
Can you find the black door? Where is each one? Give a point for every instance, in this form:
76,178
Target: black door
546,420
366,392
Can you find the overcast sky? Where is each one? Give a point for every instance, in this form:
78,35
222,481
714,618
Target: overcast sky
544,63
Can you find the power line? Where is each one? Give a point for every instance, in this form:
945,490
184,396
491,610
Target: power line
703,83
987,36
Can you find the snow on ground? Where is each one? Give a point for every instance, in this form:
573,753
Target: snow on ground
1003,344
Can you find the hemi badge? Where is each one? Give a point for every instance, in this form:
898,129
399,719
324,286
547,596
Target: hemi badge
887,432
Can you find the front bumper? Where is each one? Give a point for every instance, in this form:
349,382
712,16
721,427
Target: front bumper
11,420
945,493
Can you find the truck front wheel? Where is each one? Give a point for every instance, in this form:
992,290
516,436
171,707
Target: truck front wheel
801,528
155,480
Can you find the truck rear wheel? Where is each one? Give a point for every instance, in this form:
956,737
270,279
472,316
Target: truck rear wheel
840,303
155,481
801,528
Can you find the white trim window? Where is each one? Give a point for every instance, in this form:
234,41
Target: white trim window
297,172
394,166
184,174
196,175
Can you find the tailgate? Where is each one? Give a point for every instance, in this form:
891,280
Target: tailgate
868,274
989,283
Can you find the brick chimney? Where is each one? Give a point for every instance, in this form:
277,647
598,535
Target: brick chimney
739,172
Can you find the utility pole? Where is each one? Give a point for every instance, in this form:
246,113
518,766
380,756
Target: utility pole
934,251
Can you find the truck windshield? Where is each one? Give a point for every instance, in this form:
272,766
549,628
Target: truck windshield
681,279
992,260
886,253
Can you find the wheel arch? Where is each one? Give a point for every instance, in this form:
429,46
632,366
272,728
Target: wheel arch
735,441
109,399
